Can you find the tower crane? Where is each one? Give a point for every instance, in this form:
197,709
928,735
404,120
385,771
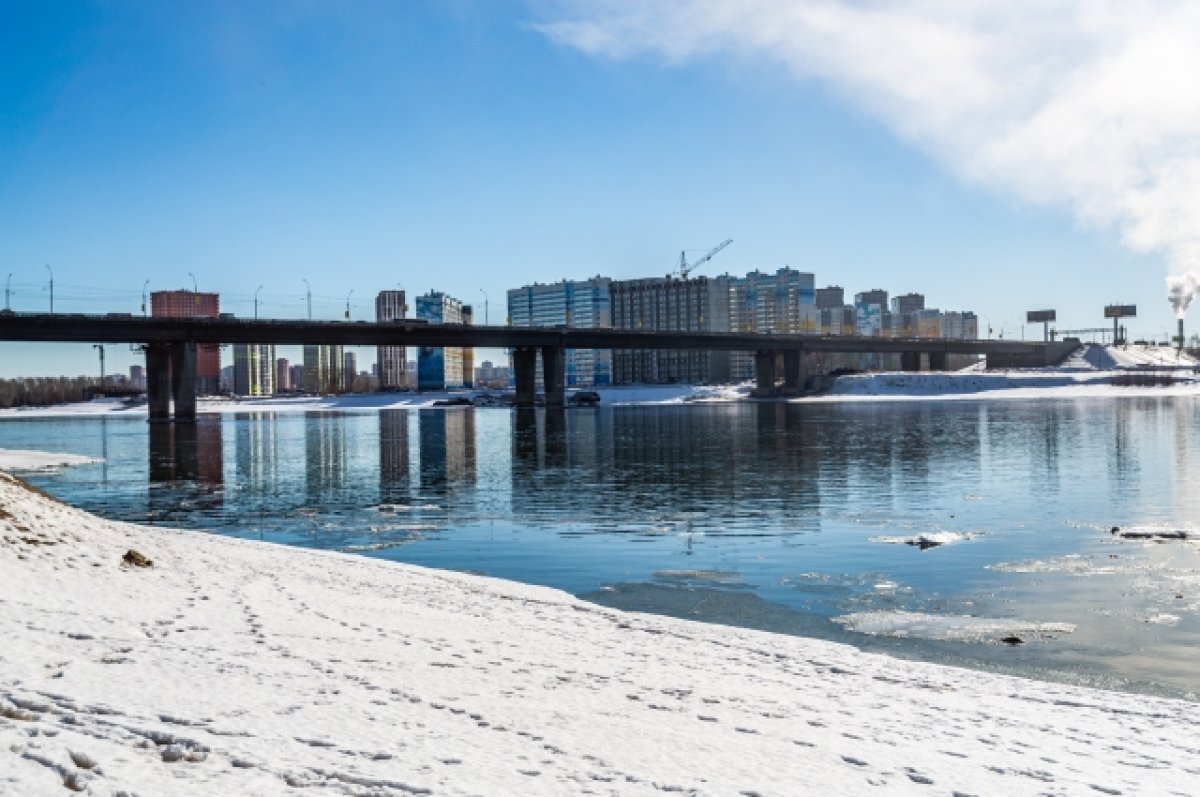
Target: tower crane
686,268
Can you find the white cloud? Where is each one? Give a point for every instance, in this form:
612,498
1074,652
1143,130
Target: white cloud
1087,104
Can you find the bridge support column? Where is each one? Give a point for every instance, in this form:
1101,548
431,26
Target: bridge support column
524,374
183,381
937,361
764,373
158,382
554,377
793,372
910,361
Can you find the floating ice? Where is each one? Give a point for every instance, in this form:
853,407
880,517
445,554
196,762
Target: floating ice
948,627
928,540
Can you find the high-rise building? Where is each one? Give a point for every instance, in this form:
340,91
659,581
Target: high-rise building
908,303
391,363
253,369
349,370
192,304
830,298
439,368
283,375
137,376
323,369
783,303
671,304
296,376
875,296
582,304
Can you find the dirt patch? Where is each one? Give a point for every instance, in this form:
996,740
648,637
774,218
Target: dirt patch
135,558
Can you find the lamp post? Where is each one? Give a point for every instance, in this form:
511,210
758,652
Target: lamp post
144,286
256,290
348,295
7,292
308,294
100,348
195,287
485,307
47,265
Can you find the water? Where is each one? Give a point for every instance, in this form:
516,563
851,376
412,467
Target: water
766,515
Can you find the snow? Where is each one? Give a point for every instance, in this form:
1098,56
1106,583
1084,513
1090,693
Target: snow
25,461
239,667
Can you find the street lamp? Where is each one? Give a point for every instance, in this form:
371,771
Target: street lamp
47,265
348,295
144,286
485,307
7,292
100,347
308,293
256,290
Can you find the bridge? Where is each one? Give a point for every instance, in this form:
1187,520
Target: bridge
170,345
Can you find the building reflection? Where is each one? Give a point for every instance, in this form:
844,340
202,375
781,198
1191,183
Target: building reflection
394,460
325,457
187,459
446,447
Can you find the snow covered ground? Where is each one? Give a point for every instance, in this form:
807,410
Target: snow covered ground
238,667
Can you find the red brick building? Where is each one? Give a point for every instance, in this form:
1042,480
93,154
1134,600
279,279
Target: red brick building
190,304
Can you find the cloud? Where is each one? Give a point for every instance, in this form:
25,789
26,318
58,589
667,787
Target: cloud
1085,104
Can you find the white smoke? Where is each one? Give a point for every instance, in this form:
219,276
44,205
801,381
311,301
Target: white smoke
1087,104
1180,292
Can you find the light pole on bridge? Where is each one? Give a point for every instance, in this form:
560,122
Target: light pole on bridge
348,295
485,307
256,290
308,293
145,285
7,292
47,265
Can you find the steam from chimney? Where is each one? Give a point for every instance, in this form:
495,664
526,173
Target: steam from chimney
1180,292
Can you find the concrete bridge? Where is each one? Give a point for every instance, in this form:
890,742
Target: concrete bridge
170,345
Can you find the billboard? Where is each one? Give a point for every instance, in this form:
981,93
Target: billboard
1120,310
1040,316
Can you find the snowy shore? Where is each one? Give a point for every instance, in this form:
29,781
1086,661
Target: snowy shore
236,667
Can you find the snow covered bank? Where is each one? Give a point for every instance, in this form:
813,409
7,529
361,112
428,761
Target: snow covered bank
236,667
23,461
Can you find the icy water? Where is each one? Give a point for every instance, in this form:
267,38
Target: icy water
766,515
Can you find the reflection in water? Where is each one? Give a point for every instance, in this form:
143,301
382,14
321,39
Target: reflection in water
394,484
185,460
447,450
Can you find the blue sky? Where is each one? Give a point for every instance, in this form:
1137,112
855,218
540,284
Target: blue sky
456,146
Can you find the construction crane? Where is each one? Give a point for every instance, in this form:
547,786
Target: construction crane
686,268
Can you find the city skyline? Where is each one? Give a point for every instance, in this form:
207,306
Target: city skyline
271,153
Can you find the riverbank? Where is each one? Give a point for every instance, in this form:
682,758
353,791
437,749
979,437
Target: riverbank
230,666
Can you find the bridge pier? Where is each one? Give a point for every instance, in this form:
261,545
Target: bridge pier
910,361
937,361
171,372
793,372
524,360
764,373
554,377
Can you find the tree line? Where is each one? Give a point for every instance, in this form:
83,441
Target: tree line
41,391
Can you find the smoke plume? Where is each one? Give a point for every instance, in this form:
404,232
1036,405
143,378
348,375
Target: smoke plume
1181,291
1085,104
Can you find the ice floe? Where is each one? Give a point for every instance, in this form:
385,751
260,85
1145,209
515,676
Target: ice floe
957,628
930,539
